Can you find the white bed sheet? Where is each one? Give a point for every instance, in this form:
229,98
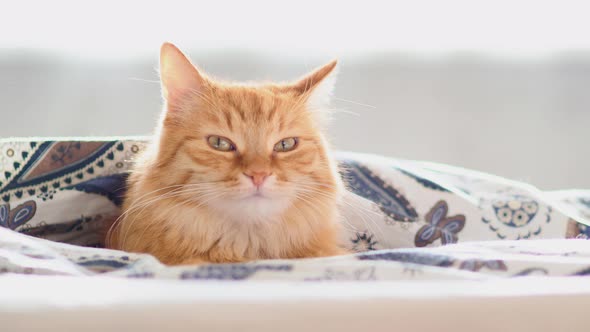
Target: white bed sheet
110,304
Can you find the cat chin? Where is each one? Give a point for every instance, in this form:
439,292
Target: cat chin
254,209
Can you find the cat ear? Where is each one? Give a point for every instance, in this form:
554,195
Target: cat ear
318,85
177,74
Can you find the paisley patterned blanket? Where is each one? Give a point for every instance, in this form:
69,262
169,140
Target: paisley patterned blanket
56,195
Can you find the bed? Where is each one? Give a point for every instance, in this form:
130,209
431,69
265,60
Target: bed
436,247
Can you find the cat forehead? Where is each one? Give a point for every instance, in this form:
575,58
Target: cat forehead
254,97
256,104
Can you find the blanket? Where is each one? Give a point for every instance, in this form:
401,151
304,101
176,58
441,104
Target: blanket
404,219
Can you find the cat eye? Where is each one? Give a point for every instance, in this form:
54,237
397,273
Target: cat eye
220,143
286,144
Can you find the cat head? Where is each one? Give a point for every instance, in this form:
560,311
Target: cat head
245,151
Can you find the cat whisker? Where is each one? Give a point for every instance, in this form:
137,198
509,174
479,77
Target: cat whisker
360,211
157,199
181,203
314,190
171,194
355,102
144,80
362,215
138,200
311,204
340,110
113,225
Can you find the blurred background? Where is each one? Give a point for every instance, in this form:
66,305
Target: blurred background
497,86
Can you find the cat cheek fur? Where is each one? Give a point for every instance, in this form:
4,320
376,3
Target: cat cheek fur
187,202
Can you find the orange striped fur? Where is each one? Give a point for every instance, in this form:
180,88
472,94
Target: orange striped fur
189,203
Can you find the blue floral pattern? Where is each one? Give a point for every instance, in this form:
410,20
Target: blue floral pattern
363,182
516,212
232,272
439,226
18,216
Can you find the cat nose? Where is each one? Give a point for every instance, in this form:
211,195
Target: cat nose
257,177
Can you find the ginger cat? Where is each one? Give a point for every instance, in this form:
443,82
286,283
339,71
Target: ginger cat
236,172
